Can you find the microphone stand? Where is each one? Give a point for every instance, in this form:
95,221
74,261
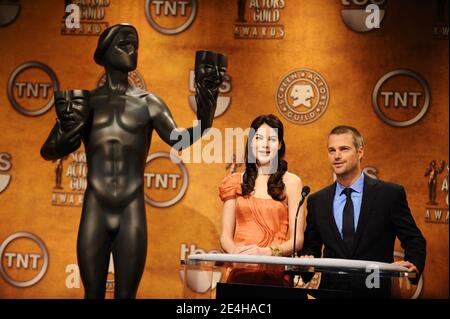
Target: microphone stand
305,192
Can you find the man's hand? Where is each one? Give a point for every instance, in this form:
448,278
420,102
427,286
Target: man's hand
307,256
407,264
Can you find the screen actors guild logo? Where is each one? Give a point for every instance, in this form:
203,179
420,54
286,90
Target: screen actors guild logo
23,259
5,166
84,17
170,17
260,21
401,98
434,213
302,96
9,11
30,88
162,182
362,15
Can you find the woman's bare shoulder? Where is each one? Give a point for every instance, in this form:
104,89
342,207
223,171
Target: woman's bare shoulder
291,179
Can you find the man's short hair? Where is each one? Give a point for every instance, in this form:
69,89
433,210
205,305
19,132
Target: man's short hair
358,140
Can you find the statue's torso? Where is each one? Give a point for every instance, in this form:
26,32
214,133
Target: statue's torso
117,144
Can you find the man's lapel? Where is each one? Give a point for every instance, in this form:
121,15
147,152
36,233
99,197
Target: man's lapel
369,193
329,217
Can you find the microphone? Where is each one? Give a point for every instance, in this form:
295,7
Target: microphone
305,192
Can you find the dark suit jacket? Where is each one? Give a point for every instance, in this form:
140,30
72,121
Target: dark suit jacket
384,216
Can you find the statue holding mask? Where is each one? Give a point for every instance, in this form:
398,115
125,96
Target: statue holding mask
115,123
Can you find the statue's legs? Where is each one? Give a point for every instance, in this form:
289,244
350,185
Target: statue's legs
130,249
93,248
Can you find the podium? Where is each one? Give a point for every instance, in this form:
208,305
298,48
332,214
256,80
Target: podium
222,276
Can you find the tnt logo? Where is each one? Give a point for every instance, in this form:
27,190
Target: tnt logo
24,259
31,87
9,11
362,15
401,97
165,179
170,16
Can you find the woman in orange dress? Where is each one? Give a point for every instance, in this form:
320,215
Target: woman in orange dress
260,204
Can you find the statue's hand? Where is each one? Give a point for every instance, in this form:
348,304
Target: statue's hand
206,103
66,140
210,68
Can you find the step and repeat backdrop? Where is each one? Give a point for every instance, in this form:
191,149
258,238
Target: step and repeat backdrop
381,66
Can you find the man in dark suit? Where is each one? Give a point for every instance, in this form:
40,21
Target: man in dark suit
358,217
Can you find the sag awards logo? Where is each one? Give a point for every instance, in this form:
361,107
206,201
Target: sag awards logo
401,98
84,17
259,19
166,180
440,25
73,279
363,15
197,280
31,87
134,78
170,16
302,96
9,11
24,259
5,167
223,101
435,210
70,180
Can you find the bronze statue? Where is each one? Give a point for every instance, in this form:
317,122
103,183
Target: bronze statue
241,10
58,173
432,172
115,122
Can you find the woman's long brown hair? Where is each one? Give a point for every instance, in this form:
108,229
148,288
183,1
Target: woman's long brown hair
275,184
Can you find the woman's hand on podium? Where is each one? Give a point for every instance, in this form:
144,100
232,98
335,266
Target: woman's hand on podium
253,250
